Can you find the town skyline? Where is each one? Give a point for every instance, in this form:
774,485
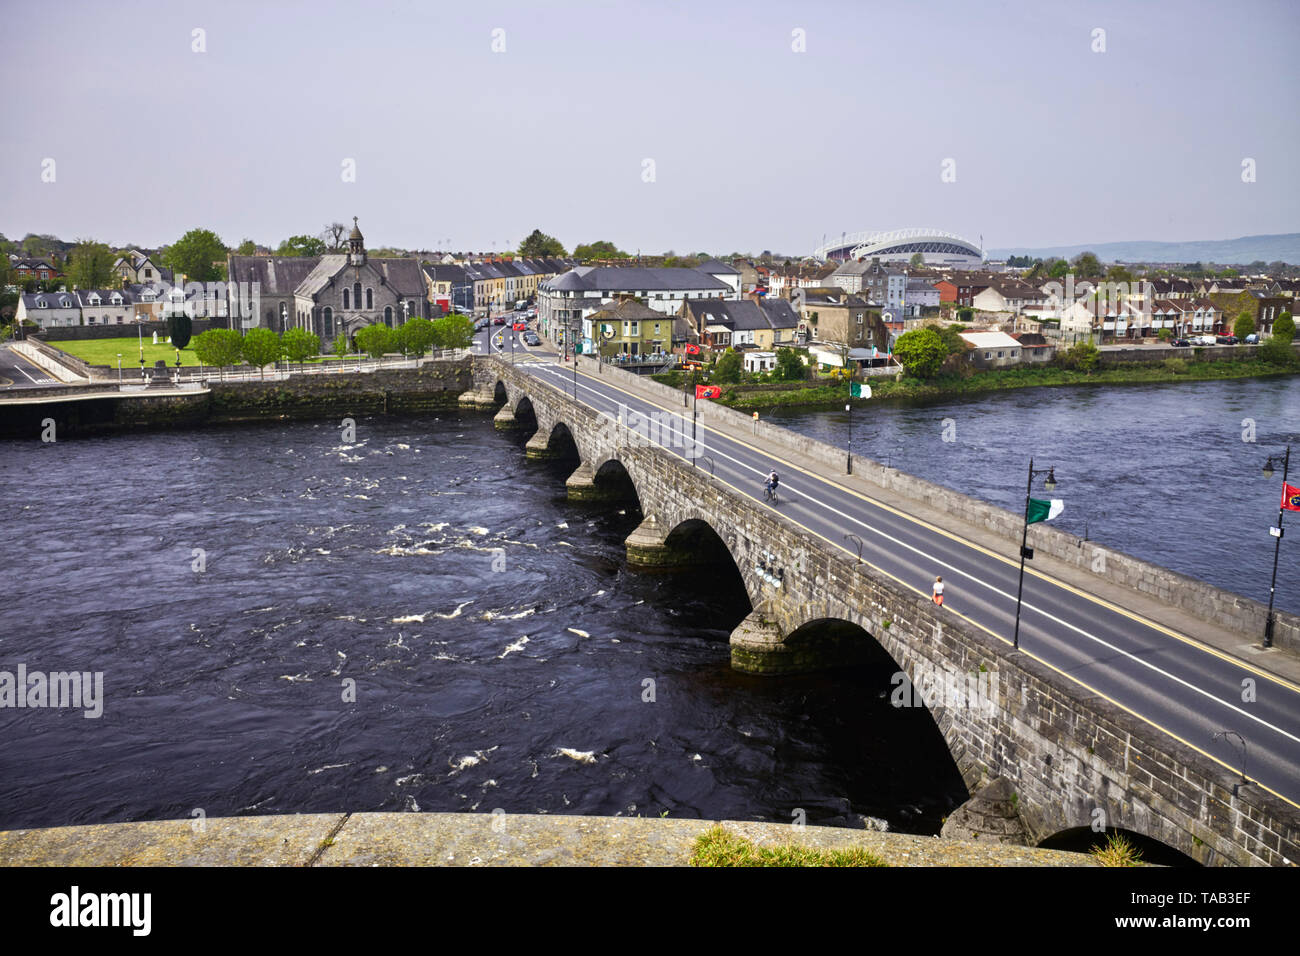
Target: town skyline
776,127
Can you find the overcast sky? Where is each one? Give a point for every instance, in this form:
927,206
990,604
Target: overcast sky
754,145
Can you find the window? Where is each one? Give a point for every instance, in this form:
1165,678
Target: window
346,297
356,296
370,298
148,274
388,313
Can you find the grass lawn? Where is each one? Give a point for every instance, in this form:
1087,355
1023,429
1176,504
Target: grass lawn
719,847
104,352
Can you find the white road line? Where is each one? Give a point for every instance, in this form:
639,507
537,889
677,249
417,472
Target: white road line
996,590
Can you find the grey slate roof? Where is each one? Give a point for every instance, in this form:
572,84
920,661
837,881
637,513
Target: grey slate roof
633,279
780,313
277,275
326,268
716,266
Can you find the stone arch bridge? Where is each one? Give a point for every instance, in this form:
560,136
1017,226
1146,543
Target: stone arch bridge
1071,760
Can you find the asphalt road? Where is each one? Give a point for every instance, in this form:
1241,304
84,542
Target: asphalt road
1175,684
17,372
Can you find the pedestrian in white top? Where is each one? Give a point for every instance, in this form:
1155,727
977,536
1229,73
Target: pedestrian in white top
938,591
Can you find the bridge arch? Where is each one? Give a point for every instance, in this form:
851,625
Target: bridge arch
500,394
1149,848
560,442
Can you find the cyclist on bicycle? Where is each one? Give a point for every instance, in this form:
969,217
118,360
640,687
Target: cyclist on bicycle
773,479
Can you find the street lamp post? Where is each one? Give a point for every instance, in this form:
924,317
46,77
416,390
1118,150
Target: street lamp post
695,403
119,369
1285,460
1050,485
140,336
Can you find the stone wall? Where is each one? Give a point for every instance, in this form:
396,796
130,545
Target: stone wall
1068,754
83,332
1239,614
434,385
64,367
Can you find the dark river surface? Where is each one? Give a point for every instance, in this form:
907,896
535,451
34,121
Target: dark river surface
496,644
1161,472
496,641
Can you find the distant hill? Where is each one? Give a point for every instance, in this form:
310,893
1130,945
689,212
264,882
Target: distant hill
1247,249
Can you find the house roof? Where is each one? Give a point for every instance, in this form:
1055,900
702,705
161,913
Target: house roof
989,340
717,267
634,278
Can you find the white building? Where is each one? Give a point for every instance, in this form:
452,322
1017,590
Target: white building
49,309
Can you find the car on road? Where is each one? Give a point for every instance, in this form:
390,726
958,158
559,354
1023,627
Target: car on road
499,320
1225,340
520,326
531,338
1180,343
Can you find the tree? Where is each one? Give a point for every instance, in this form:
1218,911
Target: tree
1284,327
727,371
335,236
921,352
789,366
300,345
1118,273
601,249
219,347
247,248
196,255
341,345
417,336
301,246
1244,326
453,332
917,261
539,244
179,327
966,313
1083,356
91,265
261,347
374,340
1279,351
1087,265
950,335
1059,269
1164,335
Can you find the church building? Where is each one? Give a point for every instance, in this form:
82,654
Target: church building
331,295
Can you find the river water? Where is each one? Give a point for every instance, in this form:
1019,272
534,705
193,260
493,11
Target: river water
1167,473
494,647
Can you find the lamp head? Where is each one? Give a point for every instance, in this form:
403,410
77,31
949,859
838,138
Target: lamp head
1050,483
1268,468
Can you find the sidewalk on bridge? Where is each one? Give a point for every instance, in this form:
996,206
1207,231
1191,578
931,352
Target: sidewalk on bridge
1248,650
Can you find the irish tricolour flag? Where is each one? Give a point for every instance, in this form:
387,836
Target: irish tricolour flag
1040,510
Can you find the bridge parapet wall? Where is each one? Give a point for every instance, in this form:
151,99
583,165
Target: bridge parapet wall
1234,612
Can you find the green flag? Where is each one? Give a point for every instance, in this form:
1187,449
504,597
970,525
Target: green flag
1040,510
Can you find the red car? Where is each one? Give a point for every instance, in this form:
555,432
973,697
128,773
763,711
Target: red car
520,326
499,320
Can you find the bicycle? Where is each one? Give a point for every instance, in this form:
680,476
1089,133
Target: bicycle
769,492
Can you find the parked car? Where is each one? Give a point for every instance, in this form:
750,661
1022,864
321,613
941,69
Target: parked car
1225,340
531,338
1252,339
1203,340
1180,343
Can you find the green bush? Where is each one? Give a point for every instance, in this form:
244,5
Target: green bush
921,352
1279,352
1176,365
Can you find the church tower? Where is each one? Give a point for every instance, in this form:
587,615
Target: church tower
356,245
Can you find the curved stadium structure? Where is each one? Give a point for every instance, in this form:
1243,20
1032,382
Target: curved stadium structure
938,248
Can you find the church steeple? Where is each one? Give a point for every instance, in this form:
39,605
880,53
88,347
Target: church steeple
357,245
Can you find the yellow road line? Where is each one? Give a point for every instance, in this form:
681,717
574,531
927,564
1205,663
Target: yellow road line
1100,601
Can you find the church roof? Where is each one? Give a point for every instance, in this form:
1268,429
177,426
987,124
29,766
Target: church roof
327,267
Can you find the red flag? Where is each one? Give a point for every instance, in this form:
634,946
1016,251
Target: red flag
692,350
708,391
1290,497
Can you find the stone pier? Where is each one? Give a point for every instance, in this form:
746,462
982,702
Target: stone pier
478,398
505,419
758,646
539,446
648,548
